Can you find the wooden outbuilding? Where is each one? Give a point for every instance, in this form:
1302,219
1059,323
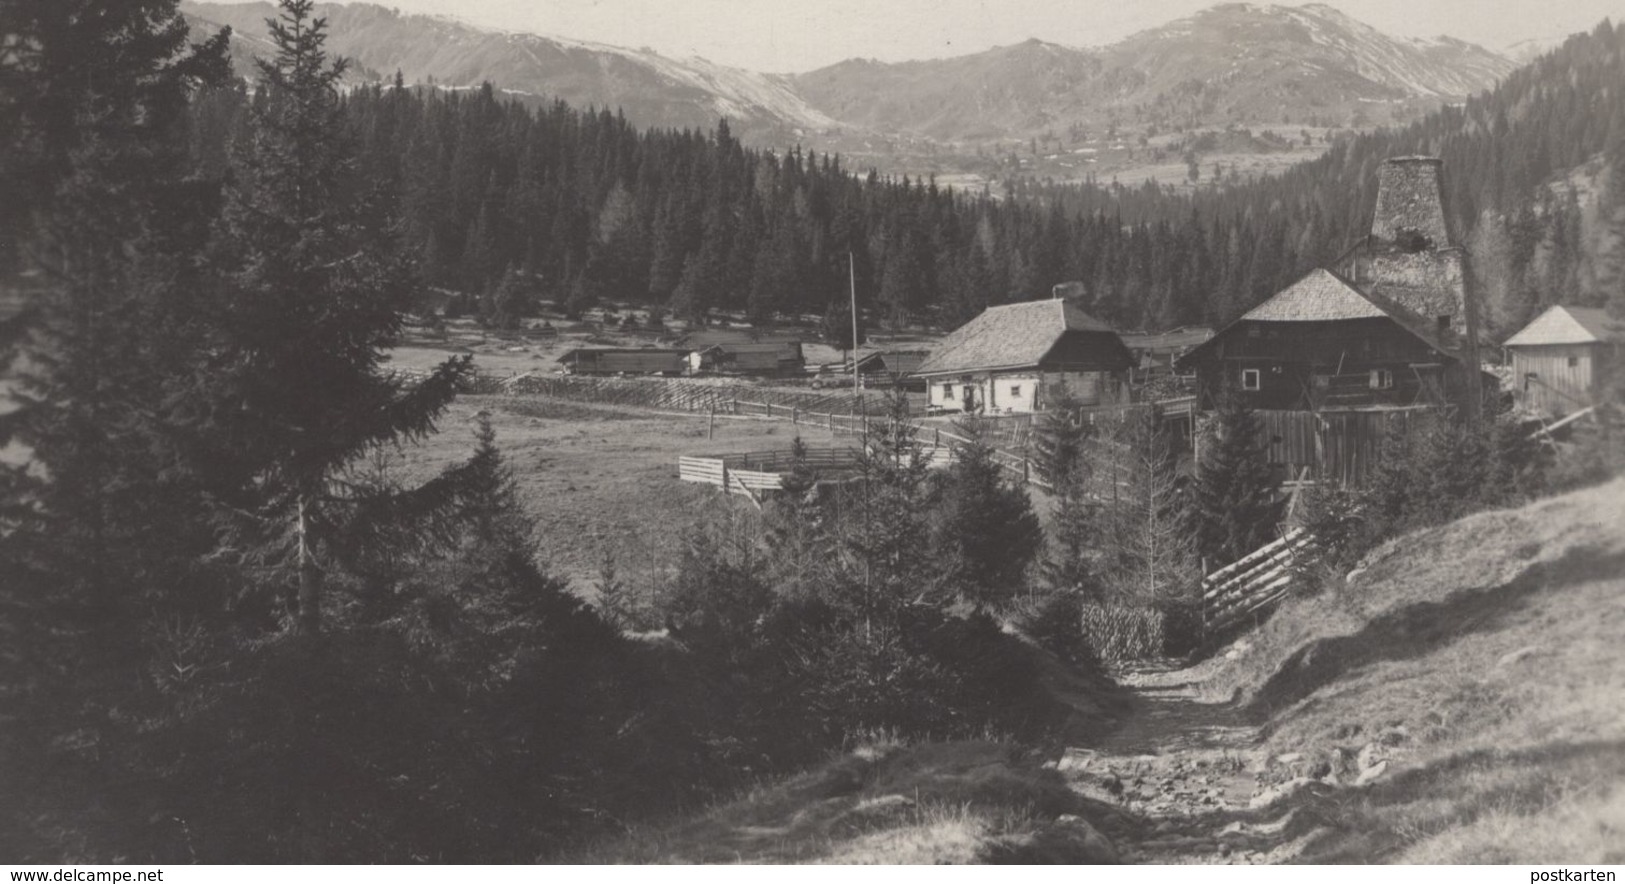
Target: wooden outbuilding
778,359
613,361
1560,357
1011,357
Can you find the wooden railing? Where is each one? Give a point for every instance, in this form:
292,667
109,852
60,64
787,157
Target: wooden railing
1251,585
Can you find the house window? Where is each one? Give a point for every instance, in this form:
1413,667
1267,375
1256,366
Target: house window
1250,379
1015,391
947,391
1382,379
1574,362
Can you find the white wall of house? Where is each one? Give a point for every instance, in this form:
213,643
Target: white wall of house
1013,393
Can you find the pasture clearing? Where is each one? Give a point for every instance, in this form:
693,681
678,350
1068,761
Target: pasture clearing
601,479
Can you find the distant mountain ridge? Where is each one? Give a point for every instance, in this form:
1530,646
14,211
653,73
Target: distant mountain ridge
1234,63
651,89
1231,63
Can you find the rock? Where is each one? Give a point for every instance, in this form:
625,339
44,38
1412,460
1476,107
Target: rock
1284,790
1518,656
1371,773
1236,828
1289,758
1393,736
1099,787
1075,760
1370,755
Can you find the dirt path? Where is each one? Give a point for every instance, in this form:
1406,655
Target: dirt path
1178,778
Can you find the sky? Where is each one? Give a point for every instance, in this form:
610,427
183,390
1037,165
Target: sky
783,36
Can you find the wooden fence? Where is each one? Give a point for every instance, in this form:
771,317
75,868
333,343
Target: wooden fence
836,412
755,473
674,394
1250,586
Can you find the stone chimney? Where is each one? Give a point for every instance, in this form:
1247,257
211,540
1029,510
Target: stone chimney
1411,260
1410,204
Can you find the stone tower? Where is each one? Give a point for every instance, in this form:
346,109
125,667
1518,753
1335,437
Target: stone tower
1410,257
1410,260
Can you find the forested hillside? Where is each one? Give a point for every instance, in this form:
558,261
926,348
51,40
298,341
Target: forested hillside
581,206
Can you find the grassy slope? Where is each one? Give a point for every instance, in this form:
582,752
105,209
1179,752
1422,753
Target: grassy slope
1486,661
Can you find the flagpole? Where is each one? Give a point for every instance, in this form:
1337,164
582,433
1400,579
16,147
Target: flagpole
852,276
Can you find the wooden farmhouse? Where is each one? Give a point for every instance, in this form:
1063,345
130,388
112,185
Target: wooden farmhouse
1322,344
1558,359
1010,358
613,361
1387,341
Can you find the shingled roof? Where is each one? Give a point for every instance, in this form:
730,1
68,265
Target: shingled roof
1319,297
1009,336
1570,325
1324,296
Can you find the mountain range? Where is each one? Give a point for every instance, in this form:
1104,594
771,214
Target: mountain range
1230,64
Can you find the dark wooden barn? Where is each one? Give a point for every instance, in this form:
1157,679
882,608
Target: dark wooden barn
1323,344
777,358
1331,370
612,361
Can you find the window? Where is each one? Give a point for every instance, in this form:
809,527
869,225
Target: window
1015,391
947,391
1250,379
1382,379
1574,362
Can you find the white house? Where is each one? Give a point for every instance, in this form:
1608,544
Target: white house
1010,358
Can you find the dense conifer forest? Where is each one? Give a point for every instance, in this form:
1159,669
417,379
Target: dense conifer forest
576,206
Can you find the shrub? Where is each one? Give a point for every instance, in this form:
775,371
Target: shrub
1122,634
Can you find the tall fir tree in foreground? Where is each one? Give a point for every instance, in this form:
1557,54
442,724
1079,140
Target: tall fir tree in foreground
314,297
97,226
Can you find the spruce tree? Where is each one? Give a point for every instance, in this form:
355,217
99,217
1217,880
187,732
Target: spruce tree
1233,509
100,218
312,301
1061,455
985,532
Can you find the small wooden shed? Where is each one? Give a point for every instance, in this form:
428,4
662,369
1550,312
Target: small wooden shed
1560,357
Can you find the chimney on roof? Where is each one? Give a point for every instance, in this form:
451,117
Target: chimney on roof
1066,291
1410,204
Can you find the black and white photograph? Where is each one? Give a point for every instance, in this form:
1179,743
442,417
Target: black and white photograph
694,432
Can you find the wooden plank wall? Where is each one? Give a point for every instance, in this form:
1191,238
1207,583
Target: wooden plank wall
1339,446
1557,388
